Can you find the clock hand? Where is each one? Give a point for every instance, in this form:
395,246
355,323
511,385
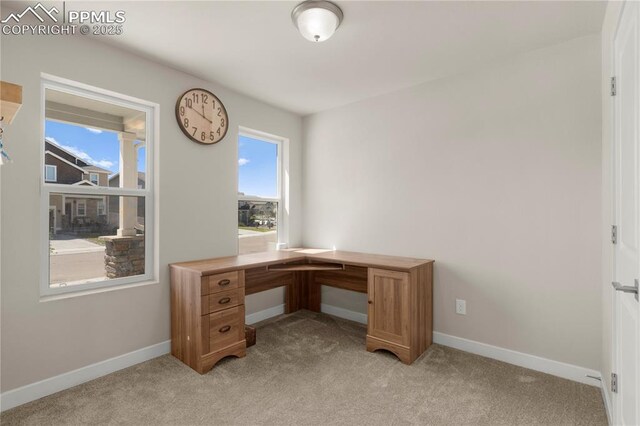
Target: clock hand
196,111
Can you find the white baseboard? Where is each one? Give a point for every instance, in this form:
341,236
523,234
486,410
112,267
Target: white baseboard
344,313
263,315
37,390
607,402
533,362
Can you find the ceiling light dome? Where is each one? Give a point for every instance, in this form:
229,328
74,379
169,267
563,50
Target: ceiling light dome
316,20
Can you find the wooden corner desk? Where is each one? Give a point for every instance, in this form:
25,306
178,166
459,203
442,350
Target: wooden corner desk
207,299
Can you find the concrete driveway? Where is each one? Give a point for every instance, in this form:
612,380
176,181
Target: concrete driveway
70,245
252,241
69,268
75,259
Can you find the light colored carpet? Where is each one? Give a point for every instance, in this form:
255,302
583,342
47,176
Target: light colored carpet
310,368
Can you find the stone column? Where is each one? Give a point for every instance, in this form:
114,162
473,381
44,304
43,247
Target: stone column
128,179
124,256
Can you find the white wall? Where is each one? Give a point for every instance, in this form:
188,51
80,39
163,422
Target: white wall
197,215
495,174
614,8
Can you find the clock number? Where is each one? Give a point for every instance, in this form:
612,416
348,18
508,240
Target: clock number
204,104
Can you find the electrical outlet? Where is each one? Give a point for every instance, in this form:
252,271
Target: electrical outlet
461,307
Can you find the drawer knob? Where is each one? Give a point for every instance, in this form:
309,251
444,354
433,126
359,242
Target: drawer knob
225,329
224,300
223,283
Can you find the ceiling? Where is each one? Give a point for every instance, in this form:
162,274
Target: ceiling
381,46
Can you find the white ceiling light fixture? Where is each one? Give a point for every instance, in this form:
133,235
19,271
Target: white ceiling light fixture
317,20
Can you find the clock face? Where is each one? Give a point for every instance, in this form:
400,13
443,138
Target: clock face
201,116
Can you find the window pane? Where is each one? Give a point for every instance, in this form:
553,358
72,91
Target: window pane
257,226
50,173
85,154
142,166
257,168
86,248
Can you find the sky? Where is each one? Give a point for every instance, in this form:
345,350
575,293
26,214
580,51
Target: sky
257,160
98,147
257,167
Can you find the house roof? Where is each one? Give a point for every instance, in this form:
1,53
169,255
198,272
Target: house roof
85,183
96,169
53,154
88,168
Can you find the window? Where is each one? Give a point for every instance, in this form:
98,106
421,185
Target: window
101,208
81,208
261,196
50,173
93,222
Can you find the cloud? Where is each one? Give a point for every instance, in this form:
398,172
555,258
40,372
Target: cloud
96,131
78,153
243,161
105,164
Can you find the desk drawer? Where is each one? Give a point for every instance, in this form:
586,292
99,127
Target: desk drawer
222,300
226,328
220,282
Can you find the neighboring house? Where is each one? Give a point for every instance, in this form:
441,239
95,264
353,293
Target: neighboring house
114,202
71,212
257,213
244,214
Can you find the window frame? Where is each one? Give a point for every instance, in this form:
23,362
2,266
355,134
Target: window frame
101,203
55,172
97,182
152,111
84,207
282,182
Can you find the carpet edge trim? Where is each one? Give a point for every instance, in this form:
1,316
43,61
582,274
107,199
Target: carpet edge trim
33,391
521,359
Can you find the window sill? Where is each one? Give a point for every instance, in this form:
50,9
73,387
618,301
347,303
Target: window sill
53,297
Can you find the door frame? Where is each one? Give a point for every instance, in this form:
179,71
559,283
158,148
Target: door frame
615,338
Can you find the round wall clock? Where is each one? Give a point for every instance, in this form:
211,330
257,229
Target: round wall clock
201,116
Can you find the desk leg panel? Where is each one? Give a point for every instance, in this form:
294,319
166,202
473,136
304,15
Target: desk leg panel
314,297
303,293
293,294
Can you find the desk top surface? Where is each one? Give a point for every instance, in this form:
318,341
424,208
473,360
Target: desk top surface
245,261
